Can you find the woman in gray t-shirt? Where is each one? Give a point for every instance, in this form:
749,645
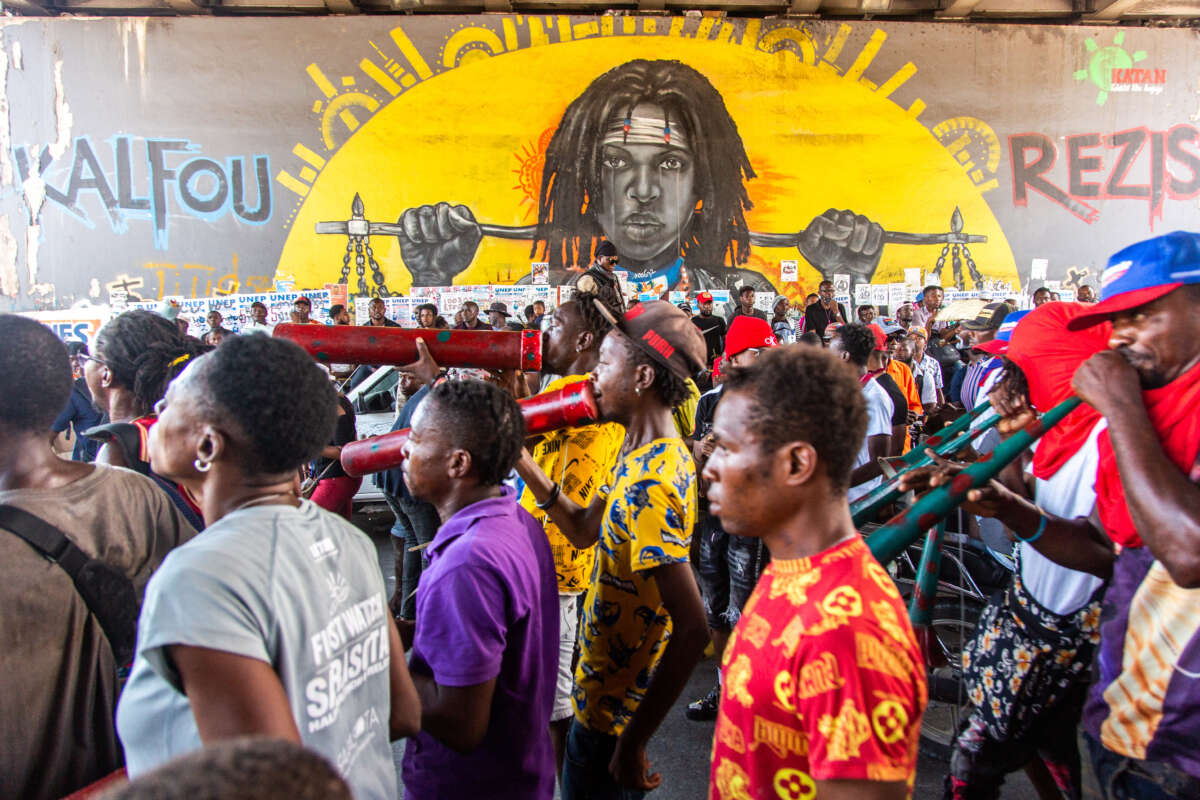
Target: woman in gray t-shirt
274,620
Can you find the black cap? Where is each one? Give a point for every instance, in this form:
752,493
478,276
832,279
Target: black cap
989,317
606,248
663,332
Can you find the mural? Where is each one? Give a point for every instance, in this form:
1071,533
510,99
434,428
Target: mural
198,157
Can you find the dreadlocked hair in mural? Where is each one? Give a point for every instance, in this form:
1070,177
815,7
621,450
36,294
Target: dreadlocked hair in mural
145,352
572,188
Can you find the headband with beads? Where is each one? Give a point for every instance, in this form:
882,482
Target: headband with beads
644,130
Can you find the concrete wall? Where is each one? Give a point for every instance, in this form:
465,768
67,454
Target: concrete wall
201,156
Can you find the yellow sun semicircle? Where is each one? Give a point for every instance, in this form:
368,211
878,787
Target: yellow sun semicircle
816,140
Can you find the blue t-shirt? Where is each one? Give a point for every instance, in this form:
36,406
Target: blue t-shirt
487,607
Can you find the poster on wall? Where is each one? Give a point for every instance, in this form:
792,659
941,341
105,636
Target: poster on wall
381,171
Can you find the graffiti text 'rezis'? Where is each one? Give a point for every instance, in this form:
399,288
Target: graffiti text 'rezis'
1170,170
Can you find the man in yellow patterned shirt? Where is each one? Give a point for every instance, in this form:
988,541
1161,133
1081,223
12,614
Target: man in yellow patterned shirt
579,460
643,629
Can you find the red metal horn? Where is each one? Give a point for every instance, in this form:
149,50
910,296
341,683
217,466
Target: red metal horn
568,407
360,344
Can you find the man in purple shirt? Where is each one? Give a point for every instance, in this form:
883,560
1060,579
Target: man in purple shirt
485,649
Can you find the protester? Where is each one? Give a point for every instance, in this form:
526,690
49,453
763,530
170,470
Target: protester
602,271
643,593
248,768
781,324
728,566
866,314
745,305
57,664
335,489
426,315
1041,297
80,413
498,316
711,327
216,331
1086,294
1026,668
485,652
416,520
302,308
901,374
258,320
925,310
824,312
377,315
904,316
471,321
578,459
340,315
853,344
1140,713
983,373
134,357
823,680
219,653
926,371
879,367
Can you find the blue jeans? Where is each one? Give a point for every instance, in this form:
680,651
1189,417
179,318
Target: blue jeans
416,523
585,768
1124,778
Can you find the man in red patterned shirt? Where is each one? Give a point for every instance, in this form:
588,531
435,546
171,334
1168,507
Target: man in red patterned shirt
823,682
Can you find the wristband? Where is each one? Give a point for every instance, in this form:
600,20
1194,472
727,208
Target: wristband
1041,528
550,500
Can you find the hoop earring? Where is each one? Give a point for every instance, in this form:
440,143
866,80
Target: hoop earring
202,466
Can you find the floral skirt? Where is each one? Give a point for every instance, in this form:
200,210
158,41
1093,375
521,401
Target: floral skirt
1023,660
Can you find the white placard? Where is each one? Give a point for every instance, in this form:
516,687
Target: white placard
541,272
789,271
912,278
881,294
898,295
863,293
1037,269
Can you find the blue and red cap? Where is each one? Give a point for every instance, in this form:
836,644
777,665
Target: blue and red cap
1142,273
998,346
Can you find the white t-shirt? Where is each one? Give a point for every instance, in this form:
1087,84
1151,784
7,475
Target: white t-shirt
879,423
1069,493
297,588
257,327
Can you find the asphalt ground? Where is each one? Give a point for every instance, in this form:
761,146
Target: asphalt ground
681,749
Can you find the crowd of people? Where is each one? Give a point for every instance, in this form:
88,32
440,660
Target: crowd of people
187,600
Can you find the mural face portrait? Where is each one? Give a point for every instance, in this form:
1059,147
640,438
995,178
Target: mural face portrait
649,198
634,157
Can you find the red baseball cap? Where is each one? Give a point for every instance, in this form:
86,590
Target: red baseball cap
704,297
1142,273
747,332
880,337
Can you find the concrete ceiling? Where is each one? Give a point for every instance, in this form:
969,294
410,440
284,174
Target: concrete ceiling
1129,12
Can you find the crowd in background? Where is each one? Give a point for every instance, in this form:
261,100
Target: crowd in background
554,593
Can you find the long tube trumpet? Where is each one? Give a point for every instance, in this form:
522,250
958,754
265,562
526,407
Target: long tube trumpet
890,540
566,407
947,442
